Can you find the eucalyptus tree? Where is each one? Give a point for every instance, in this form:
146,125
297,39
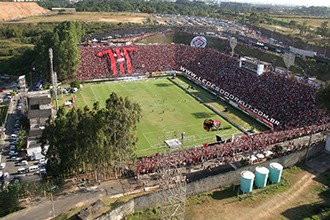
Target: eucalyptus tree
98,140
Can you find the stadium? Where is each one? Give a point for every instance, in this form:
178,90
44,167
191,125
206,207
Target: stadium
283,104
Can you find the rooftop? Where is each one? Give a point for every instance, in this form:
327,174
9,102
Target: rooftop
38,94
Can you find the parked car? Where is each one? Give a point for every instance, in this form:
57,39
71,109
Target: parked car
41,172
17,179
42,164
2,165
14,158
13,142
13,153
5,175
31,169
22,170
63,90
13,136
21,163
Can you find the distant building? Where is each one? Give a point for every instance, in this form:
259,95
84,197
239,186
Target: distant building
64,9
254,65
34,150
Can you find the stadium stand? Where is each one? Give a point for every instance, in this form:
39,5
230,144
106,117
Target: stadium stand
230,152
290,101
280,97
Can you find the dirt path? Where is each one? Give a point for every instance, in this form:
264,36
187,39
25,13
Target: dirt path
280,202
260,208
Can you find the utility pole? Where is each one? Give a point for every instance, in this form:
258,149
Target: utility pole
53,77
52,201
53,207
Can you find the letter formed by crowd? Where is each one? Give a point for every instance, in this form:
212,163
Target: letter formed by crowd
116,57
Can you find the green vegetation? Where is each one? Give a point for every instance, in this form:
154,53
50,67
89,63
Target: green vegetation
323,96
3,113
75,84
63,41
179,7
22,141
16,46
11,194
100,140
167,112
9,199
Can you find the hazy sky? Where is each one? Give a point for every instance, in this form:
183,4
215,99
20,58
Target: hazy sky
290,2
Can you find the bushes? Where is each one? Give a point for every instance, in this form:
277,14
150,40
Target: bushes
75,84
3,113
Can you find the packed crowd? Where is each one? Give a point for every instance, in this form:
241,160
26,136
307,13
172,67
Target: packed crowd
282,98
291,102
227,152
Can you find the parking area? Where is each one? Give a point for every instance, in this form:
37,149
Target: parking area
15,165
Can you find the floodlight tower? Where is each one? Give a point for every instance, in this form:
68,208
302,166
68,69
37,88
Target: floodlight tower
23,92
289,59
172,198
53,78
233,43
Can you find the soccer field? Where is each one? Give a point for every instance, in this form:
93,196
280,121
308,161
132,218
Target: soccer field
167,112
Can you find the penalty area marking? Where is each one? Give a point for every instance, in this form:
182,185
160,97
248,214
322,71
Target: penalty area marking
147,139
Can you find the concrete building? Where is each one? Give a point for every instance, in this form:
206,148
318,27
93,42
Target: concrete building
39,110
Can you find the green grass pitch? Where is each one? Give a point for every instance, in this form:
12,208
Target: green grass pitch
167,112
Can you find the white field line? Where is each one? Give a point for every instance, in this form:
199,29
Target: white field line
109,87
147,140
83,98
94,94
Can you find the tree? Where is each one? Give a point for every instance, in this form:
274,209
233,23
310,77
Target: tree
323,96
22,139
293,23
323,29
98,141
75,84
303,28
254,18
64,42
9,199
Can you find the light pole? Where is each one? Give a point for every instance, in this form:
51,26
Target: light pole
52,200
53,208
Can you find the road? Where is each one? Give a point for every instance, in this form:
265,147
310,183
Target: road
43,209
